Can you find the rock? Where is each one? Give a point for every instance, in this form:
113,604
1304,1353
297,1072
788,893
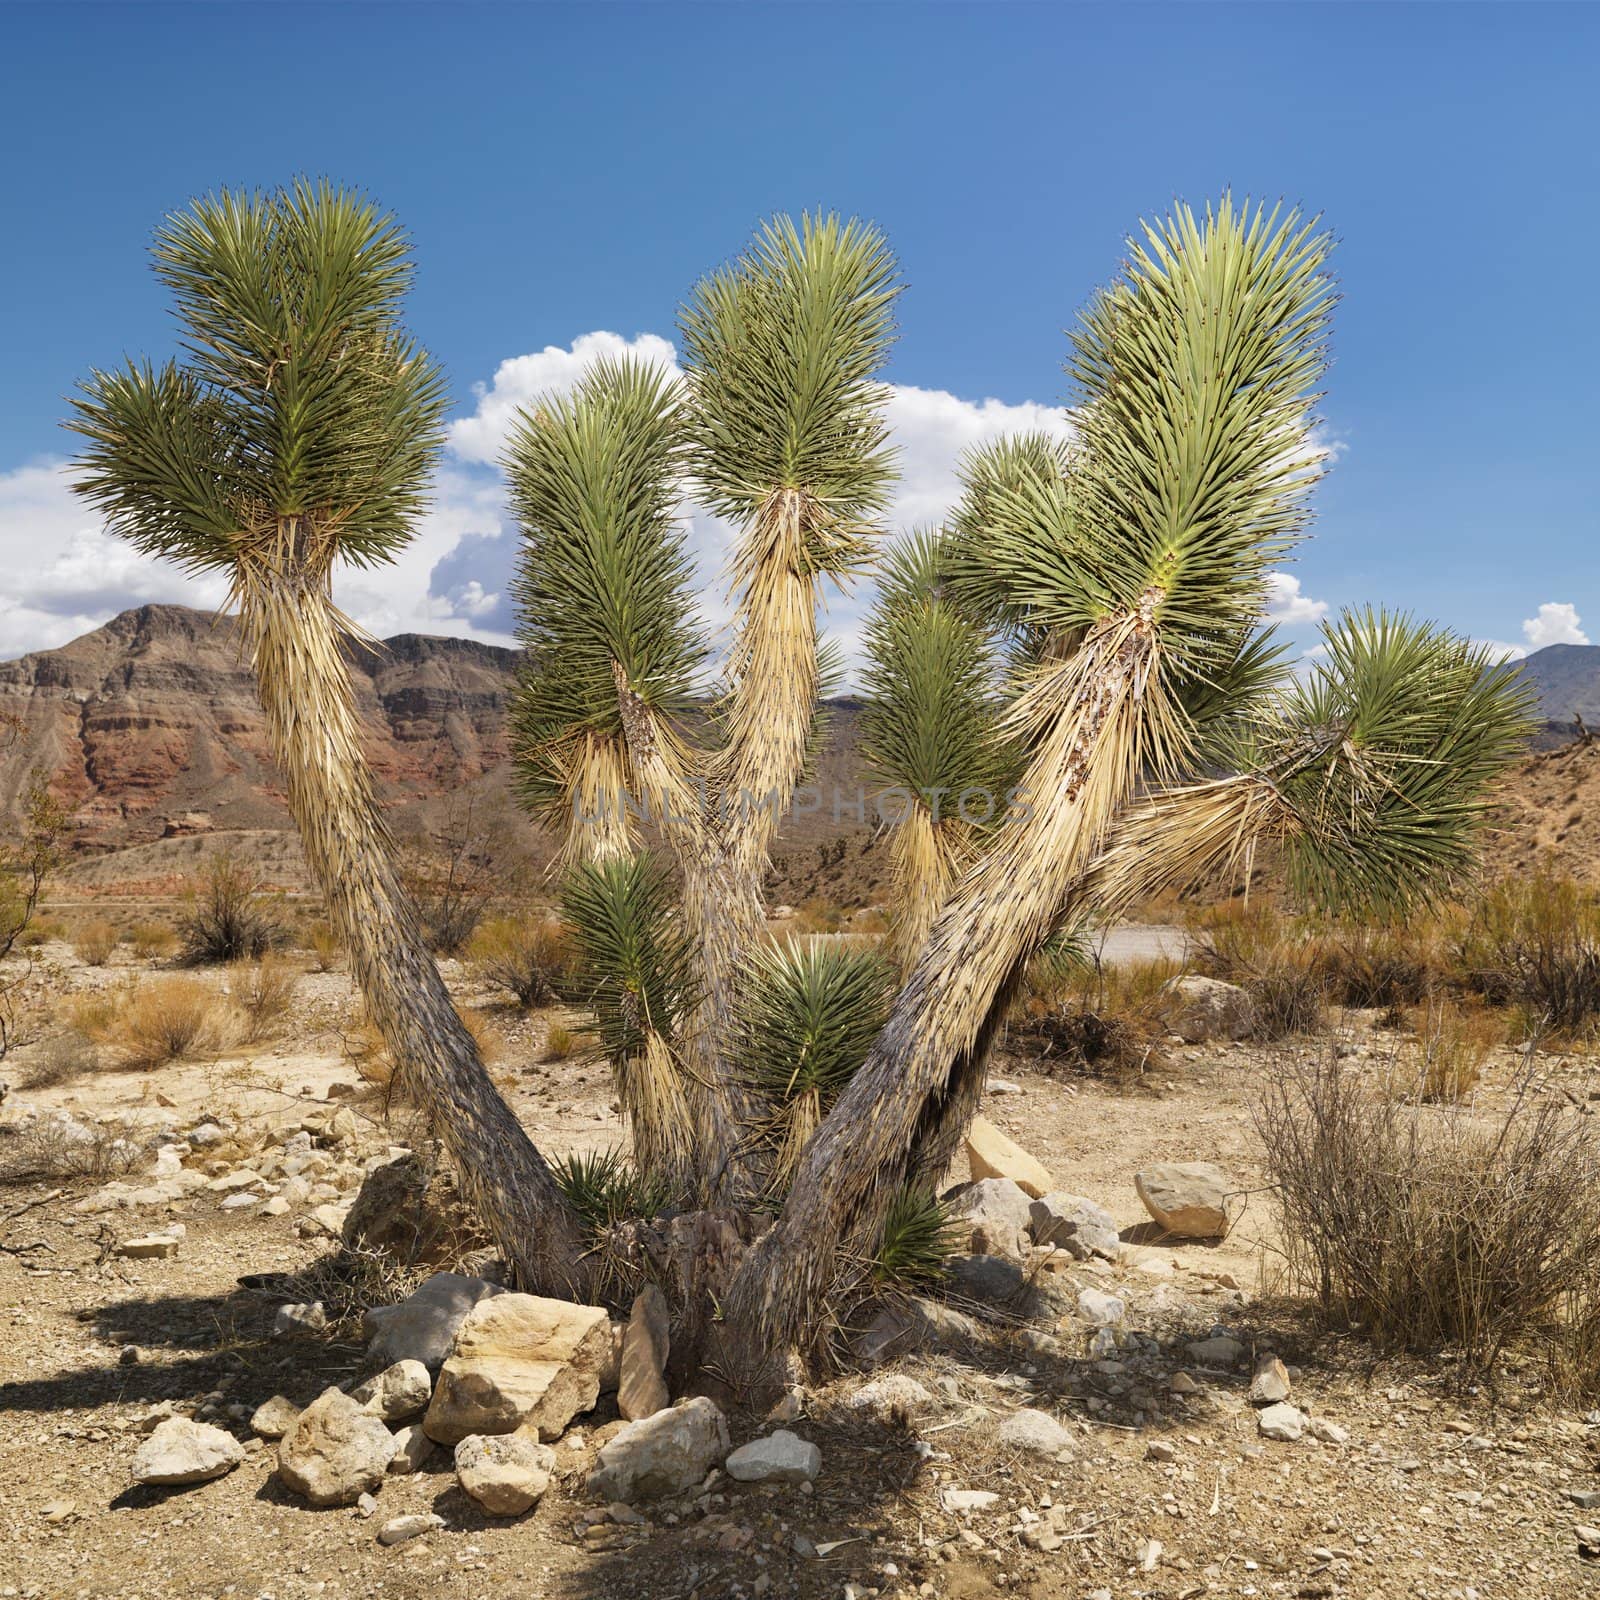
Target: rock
890,1396
398,1393
1102,1309
1074,1224
1199,1009
412,1211
273,1418
909,1322
335,1451
150,1247
423,1326
968,1499
506,1473
398,1529
412,1447
1282,1422
366,1506
520,1361
1187,1198
1270,1384
991,1154
641,1388
781,1457
993,1214
206,1133
233,1182
1161,1450
55,1512
1221,1350
1035,1431
662,1454
1588,1537
237,1202
307,1318
1182,1383
1327,1432
181,1451
325,1221
991,1279
1585,1499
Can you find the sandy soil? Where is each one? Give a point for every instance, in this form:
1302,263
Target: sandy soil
1170,1494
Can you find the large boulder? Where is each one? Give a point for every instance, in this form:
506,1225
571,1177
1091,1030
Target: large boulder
423,1326
1200,1010
520,1361
410,1209
661,1455
641,1384
181,1451
505,1473
1188,1198
1075,1224
993,1215
335,1451
991,1154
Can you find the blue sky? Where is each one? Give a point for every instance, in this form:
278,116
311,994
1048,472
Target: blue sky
569,171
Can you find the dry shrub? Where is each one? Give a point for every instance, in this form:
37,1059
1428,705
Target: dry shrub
54,1146
1256,947
262,992
1533,943
325,945
94,942
818,915
559,1042
530,956
1438,1228
172,1019
60,1059
152,940
1107,1021
40,932
228,920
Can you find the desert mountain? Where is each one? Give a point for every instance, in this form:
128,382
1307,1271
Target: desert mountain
1567,678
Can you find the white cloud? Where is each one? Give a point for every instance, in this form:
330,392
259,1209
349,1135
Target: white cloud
1557,623
1499,650
1287,604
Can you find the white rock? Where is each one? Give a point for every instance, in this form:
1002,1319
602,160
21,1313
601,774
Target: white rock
181,1451
150,1247
1202,1009
1320,1428
335,1451
993,1213
662,1454
1270,1384
781,1457
1035,1431
1283,1422
506,1473
398,1393
891,1394
1074,1223
1187,1198
423,1326
412,1447
1222,1350
273,1418
308,1317
968,1499
1102,1309
398,1529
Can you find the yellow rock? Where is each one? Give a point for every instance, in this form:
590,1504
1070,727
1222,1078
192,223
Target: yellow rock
992,1155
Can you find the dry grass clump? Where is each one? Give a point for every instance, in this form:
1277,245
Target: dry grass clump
530,956
1533,943
61,1058
262,993
171,1019
151,941
1445,1062
1256,947
1378,966
325,945
1433,1229
559,1042
94,942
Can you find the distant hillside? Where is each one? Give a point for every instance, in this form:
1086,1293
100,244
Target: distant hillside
1567,677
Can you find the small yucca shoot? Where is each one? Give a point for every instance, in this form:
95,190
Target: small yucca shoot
919,1237
806,1020
604,1187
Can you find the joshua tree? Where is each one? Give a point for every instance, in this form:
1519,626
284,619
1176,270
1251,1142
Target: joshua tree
300,430
1080,653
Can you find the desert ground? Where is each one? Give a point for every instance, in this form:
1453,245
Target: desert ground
1163,1485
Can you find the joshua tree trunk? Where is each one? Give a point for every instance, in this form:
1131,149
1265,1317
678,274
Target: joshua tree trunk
295,636
927,1058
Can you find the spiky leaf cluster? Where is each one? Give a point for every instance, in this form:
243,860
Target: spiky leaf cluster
919,1237
808,1016
300,395
1384,755
782,349
634,966
928,722
603,585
